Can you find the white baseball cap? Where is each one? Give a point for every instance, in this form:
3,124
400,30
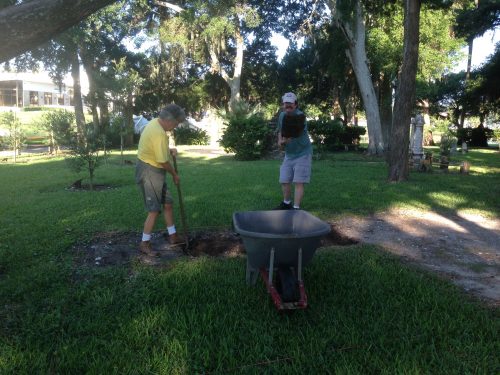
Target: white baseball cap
289,97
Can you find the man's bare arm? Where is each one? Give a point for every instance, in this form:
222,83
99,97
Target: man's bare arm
168,167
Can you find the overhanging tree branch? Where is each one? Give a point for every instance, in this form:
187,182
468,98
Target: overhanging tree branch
169,5
27,25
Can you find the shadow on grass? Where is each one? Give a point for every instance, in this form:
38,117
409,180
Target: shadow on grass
368,314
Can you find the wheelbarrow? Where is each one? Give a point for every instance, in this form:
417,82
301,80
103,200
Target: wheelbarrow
279,244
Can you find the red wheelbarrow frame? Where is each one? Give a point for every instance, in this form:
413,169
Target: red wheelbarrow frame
267,277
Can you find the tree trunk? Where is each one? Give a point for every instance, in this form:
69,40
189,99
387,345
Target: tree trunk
104,112
405,95
92,99
385,100
128,114
461,121
15,150
77,94
91,174
359,61
27,25
233,82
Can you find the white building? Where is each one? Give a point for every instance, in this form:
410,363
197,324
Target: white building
20,90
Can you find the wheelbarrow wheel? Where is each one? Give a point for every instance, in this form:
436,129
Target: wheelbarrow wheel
287,285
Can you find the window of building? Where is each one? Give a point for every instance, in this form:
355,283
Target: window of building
8,98
47,98
34,98
60,99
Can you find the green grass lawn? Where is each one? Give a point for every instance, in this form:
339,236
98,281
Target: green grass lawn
368,313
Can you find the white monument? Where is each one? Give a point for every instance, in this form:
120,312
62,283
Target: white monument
417,149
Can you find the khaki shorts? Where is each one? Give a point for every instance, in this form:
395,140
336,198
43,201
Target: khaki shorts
151,181
296,170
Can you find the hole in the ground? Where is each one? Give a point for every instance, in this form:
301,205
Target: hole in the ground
335,238
118,248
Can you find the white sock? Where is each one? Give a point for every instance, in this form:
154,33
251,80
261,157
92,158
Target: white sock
296,207
287,202
146,236
171,230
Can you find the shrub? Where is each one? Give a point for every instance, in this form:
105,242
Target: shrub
352,135
37,140
329,135
247,133
325,133
184,135
496,136
447,140
34,109
60,125
475,137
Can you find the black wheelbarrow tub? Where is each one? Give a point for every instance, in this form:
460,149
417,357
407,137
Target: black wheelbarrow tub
285,231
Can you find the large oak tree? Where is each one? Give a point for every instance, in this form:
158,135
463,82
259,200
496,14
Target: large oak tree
405,95
31,23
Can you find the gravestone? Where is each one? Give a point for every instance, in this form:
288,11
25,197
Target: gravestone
417,149
453,147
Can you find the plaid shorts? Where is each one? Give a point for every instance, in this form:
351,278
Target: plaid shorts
296,170
153,187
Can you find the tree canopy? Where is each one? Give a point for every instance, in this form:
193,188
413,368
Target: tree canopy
375,59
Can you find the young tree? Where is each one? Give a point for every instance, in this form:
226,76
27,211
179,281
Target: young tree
16,135
87,152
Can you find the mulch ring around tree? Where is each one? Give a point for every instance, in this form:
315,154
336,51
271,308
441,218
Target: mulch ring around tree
79,186
121,248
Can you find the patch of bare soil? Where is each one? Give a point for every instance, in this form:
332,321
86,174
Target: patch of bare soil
215,243
464,248
121,248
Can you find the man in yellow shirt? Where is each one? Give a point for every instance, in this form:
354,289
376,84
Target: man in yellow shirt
153,162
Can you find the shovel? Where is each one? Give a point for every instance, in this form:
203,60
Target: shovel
183,213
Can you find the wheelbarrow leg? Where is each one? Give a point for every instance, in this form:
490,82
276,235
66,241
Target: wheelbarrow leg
271,267
299,266
251,275
267,276
302,302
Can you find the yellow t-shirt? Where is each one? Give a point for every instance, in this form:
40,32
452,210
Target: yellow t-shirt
153,145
